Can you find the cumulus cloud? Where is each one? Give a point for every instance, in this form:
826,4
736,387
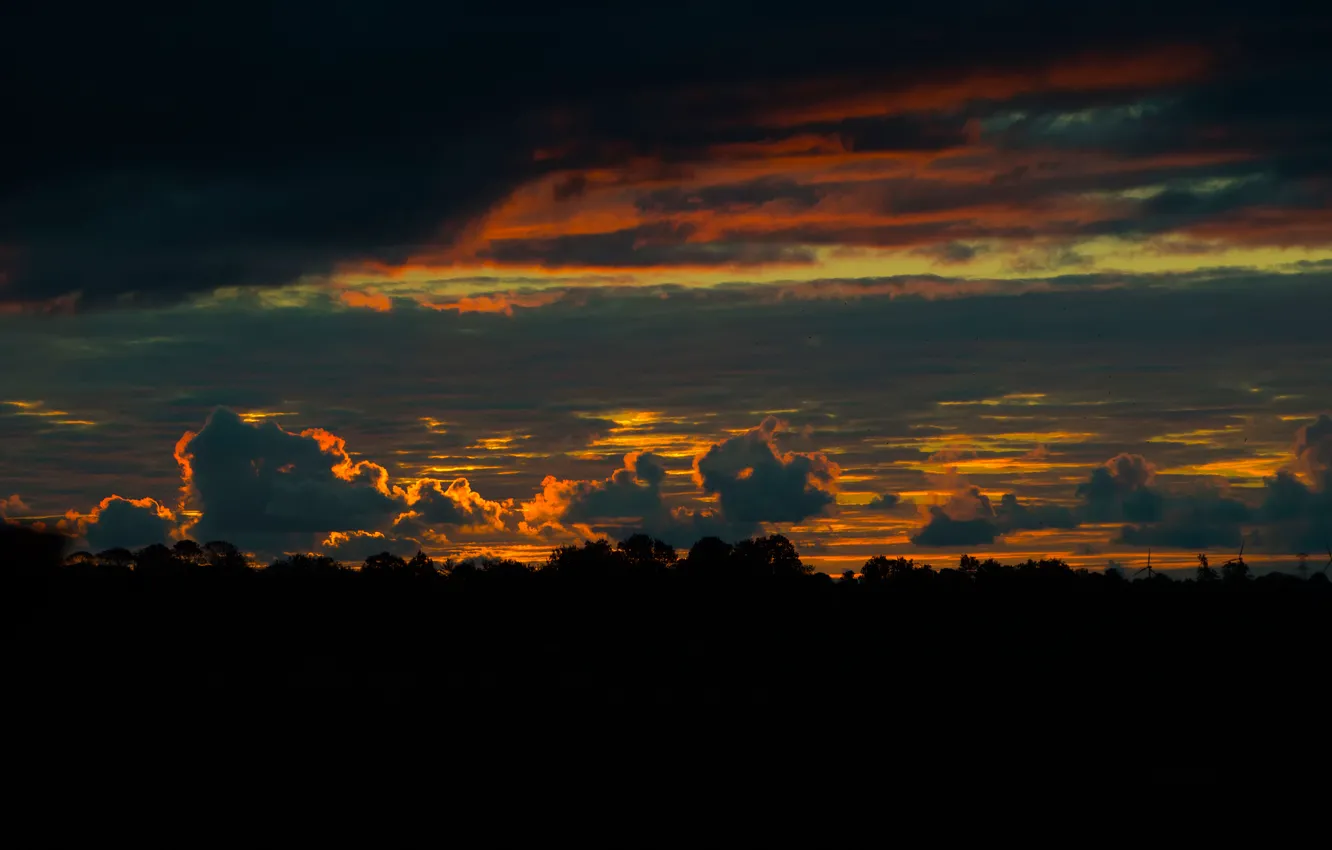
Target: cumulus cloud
10,506
969,518
632,492
1123,490
1120,490
943,530
756,482
121,523
269,489
356,546
1297,512
683,527
1201,519
628,502
432,503
258,479
1313,450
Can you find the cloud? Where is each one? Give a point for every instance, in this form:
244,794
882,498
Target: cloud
1193,522
884,502
664,162
951,253
1014,516
269,489
969,518
756,482
1297,514
1313,449
657,244
355,546
631,493
943,530
432,503
121,523
628,502
258,479
1119,490
11,505
966,519
498,302
734,197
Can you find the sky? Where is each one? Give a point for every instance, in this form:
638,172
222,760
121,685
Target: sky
349,277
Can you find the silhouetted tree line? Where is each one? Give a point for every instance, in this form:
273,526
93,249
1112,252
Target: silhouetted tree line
643,560
708,643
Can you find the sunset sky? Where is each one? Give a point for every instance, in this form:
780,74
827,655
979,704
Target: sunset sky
347,277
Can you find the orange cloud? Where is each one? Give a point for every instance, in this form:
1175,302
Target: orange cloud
457,503
502,302
371,300
12,505
822,101
117,521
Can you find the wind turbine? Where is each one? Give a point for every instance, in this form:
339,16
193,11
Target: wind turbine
1237,563
1147,569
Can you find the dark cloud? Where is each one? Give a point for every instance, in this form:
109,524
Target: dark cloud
683,527
12,506
572,186
272,490
257,479
943,530
170,151
1120,490
663,244
1011,515
432,503
755,482
630,501
884,502
732,196
633,491
903,133
1197,522
969,518
951,253
1313,449
125,523
356,546
1297,514
713,357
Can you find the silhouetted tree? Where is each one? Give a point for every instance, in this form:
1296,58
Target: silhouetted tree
301,564
157,559
1235,571
594,560
223,556
421,564
773,556
709,557
117,558
384,562
189,552
646,553
1205,574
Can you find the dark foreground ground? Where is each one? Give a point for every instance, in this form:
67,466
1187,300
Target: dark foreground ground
807,688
